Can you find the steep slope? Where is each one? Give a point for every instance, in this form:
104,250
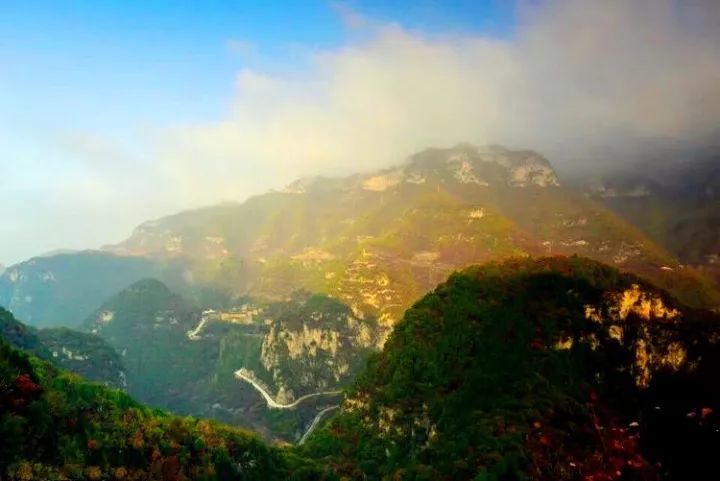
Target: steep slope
378,241
549,369
83,354
56,426
185,360
374,241
62,290
314,343
147,325
678,205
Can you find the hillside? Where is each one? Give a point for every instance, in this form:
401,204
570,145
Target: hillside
83,354
375,241
378,241
185,360
54,425
147,324
676,204
549,369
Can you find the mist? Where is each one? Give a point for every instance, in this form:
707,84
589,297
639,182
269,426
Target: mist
575,76
592,85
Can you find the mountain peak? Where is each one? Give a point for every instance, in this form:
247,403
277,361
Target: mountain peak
464,163
487,165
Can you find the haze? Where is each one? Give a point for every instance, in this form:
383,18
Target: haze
114,113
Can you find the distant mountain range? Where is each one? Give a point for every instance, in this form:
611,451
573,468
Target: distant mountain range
677,204
374,241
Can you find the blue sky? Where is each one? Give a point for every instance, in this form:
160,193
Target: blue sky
120,63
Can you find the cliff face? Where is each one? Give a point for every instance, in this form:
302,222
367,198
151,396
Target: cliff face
315,345
554,369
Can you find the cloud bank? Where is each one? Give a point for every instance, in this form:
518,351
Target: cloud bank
576,74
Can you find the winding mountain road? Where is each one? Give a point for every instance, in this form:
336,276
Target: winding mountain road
193,334
314,423
272,404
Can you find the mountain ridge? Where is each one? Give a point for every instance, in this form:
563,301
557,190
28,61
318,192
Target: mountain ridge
549,369
83,354
375,241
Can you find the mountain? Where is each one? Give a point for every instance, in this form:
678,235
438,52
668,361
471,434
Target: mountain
147,324
259,312
547,369
83,354
677,204
263,303
56,426
375,241
378,241
62,290
185,360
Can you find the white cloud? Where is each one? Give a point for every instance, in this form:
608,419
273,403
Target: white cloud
576,73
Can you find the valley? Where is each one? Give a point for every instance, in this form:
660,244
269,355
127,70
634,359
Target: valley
490,375
248,377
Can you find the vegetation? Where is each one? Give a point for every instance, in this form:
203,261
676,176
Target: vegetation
54,426
84,354
147,325
555,369
442,211
549,369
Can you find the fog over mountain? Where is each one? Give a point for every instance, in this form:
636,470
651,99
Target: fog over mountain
589,84
575,77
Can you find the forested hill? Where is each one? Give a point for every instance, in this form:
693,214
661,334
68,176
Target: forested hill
84,354
56,426
549,369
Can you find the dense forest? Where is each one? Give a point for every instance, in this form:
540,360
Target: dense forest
55,426
548,369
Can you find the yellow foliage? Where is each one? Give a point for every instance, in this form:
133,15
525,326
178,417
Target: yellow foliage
93,472
24,472
120,473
